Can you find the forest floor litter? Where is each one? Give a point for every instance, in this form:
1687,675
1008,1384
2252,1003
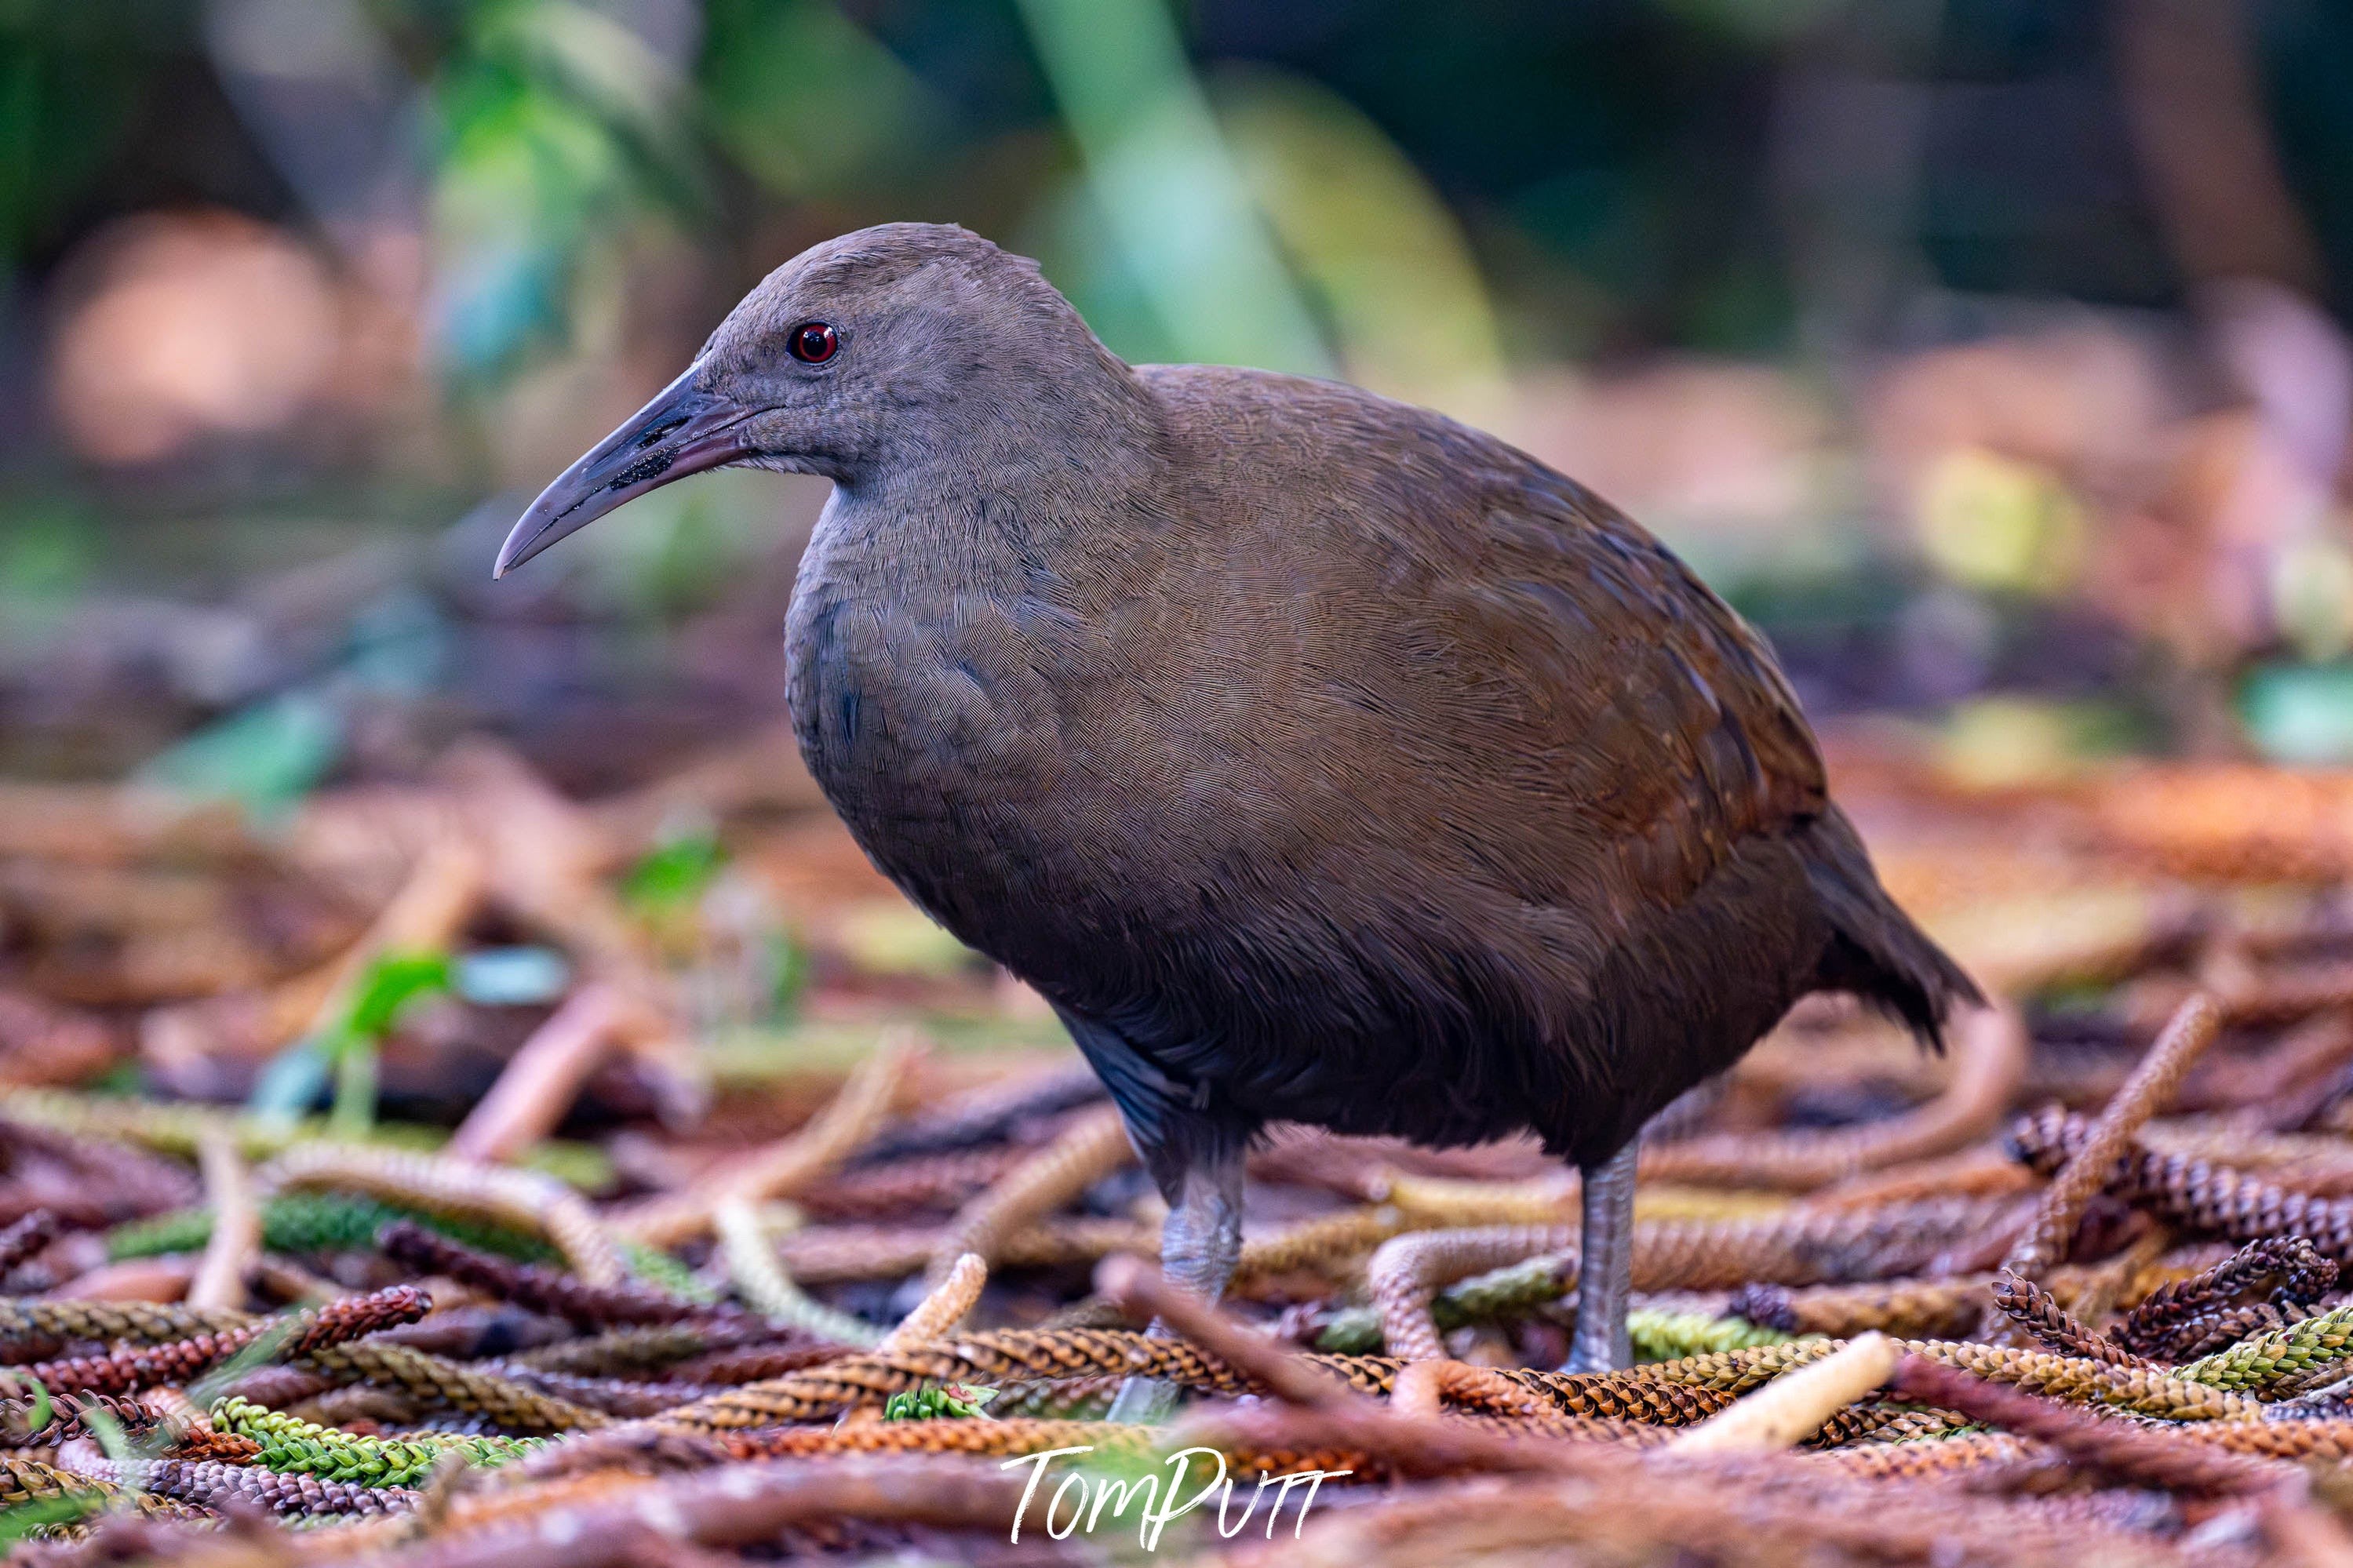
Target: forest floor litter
681,1198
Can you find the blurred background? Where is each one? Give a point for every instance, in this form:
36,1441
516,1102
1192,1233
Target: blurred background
1989,354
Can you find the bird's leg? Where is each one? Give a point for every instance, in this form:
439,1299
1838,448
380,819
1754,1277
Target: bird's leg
1202,1238
1200,1242
1605,1274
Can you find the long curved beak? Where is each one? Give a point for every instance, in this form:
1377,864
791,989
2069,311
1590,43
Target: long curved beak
684,430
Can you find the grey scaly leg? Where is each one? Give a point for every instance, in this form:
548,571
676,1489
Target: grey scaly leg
1605,1276
1199,1245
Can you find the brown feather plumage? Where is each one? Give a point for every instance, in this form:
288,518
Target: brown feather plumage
1319,758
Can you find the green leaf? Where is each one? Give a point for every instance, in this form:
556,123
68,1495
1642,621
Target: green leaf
386,990
674,873
966,1399
346,1048
931,1401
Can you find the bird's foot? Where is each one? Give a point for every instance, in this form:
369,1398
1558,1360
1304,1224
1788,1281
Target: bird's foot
1144,1402
1583,1358
1198,1246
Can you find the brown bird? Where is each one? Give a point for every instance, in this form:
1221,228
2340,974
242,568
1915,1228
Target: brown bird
1320,759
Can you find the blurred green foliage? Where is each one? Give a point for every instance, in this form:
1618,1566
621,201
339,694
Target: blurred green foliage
1610,165
391,983
675,872
347,1048
1424,197
71,78
44,561
266,757
808,103
554,122
386,989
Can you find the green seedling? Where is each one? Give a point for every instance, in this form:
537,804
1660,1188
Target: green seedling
391,985
347,1046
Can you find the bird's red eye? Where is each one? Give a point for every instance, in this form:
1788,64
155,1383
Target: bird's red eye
814,342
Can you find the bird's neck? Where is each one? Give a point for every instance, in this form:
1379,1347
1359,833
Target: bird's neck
1021,481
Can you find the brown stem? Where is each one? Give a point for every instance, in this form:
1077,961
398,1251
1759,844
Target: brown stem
2055,1218
2117,1449
236,1240
1139,1288
545,1074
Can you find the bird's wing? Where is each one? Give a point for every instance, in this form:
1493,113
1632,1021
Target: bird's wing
1668,730
1394,640
1442,624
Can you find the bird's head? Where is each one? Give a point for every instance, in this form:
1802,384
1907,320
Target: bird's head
888,346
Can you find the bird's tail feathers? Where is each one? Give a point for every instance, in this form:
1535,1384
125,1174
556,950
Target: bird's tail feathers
1876,953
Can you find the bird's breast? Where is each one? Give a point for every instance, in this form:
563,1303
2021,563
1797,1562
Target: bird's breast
933,717
907,717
